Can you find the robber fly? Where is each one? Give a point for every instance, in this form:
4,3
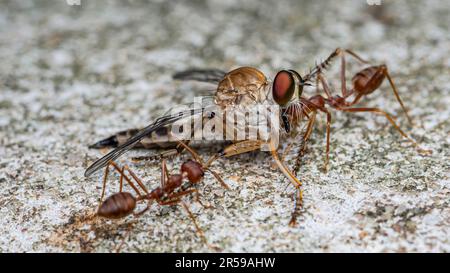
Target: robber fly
240,87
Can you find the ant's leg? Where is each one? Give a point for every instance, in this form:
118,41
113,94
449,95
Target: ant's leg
310,127
325,86
340,51
197,199
139,213
391,120
121,180
175,199
394,89
122,175
218,178
317,86
127,233
176,196
105,178
305,139
119,170
136,178
194,154
197,227
287,150
164,174
328,137
323,109
343,81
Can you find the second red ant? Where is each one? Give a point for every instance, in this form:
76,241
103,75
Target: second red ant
170,192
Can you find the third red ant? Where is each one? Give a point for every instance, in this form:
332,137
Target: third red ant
364,83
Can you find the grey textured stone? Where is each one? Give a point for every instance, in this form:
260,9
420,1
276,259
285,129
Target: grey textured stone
71,75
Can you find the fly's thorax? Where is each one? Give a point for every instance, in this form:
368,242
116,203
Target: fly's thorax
242,85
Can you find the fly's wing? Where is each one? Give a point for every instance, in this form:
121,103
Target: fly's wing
201,75
130,143
151,140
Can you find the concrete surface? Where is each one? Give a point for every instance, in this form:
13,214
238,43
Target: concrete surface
70,75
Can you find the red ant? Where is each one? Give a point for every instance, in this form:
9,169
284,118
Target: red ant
364,83
172,189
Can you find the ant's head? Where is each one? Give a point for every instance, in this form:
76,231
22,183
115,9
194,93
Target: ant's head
285,84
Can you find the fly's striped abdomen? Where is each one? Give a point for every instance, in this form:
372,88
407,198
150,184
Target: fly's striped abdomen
164,137
157,139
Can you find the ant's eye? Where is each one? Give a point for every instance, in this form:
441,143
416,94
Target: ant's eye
283,87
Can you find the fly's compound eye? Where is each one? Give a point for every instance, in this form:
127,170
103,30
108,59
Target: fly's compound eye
283,87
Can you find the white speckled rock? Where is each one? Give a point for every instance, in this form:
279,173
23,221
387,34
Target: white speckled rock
72,75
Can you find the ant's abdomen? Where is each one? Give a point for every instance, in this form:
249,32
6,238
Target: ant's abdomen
117,206
368,80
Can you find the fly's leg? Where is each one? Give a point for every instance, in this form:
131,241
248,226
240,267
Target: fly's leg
298,205
231,150
298,195
283,168
166,154
298,200
163,155
252,145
